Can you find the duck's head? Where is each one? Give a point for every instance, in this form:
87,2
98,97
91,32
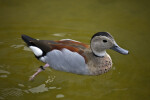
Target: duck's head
102,41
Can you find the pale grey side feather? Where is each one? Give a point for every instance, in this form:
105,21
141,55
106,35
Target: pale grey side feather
66,60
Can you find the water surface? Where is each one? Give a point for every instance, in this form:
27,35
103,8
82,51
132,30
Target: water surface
127,20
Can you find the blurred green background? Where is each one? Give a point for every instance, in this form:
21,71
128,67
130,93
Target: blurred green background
127,20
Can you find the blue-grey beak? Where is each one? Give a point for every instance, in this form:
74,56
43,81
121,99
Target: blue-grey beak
119,49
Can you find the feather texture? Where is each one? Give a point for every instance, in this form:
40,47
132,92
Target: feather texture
66,60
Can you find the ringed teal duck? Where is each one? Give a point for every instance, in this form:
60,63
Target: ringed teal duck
72,56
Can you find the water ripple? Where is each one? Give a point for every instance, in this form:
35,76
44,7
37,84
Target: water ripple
38,89
4,72
59,96
3,76
59,34
16,46
11,92
26,48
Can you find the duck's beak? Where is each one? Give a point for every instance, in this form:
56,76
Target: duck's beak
119,49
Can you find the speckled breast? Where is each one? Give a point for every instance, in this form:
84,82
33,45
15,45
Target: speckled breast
100,65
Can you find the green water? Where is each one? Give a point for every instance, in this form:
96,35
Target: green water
127,20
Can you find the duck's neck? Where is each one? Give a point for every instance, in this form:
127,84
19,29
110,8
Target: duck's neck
100,54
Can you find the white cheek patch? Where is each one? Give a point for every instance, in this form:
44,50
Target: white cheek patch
101,54
37,51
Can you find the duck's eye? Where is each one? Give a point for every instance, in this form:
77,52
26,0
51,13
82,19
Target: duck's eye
104,41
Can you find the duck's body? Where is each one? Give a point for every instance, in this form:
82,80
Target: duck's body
73,56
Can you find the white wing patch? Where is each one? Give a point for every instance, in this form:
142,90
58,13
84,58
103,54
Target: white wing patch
66,60
37,51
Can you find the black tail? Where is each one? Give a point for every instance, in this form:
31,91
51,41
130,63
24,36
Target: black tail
28,40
